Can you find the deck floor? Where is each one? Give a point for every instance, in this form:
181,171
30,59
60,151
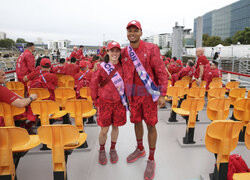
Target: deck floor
173,162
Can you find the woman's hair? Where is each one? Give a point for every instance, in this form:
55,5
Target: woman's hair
190,63
38,61
106,58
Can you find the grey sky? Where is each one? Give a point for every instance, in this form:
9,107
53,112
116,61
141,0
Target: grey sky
92,21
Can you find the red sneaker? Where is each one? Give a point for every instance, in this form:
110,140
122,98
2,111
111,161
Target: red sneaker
150,170
135,155
102,157
113,156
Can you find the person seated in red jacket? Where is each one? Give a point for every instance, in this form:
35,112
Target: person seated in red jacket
175,70
59,69
72,68
83,78
213,73
74,53
187,71
45,79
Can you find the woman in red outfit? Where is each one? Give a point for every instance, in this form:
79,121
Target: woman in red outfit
104,92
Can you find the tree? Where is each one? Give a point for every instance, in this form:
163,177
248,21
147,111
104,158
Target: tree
242,36
20,40
205,38
210,41
7,43
227,42
168,54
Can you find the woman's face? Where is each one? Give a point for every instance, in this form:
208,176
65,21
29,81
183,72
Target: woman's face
114,54
2,77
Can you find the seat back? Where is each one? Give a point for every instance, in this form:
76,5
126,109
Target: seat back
16,87
42,93
217,79
215,84
169,83
187,78
193,105
218,108
236,93
182,83
216,93
203,84
45,109
247,136
8,112
175,93
66,81
222,138
85,93
76,108
232,84
10,137
57,136
196,92
248,94
62,94
242,110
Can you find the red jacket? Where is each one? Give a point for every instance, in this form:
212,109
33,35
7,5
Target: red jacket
79,54
187,71
34,74
172,69
108,92
82,79
25,64
71,69
149,56
74,54
202,60
58,69
213,73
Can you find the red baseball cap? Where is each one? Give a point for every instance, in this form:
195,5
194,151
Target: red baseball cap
45,62
166,62
113,44
168,58
178,61
134,23
172,60
83,64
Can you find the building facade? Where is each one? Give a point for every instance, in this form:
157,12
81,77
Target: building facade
2,35
226,21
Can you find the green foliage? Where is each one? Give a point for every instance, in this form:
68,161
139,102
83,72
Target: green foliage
20,40
7,43
168,54
242,36
210,41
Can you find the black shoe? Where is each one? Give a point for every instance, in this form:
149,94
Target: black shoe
172,120
44,148
84,145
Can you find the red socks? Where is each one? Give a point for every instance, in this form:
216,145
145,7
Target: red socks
151,154
113,145
140,144
102,146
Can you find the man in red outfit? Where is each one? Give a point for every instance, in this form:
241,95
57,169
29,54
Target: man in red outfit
80,53
187,71
213,73
141,102
74,53
72,68
59,69
25,63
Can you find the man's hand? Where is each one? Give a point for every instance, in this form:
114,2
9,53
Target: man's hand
25,79
162,101
33,96
169,76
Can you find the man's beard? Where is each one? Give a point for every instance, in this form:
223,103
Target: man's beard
134,41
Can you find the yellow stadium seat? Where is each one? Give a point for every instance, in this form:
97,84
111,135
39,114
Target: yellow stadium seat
217,79
247,136
182,83
203,84
175,93
222,138
13,139
78,109
242,113
248,94
190,107
47,109
16,87
187,78
62,94
42,93
241,176
215,84
66,81
216,93
58,137
218,108
232,84
167,98
85,93
196,92
236,93
8,112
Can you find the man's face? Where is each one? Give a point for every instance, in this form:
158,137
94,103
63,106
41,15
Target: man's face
2,77
32,48
213,66
134,34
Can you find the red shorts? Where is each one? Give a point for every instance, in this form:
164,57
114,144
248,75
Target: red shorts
111,114
146,109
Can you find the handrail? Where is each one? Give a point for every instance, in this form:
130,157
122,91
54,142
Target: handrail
246,75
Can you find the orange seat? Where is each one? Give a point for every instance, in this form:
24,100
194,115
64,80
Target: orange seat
66,81
57,137
236,93
182,83
232,84
16,87
247,137
196,92
242,113
187,78
222,138
218,108
42,93
217,79
78,109
216,93
63,94
8,112
248,94
167,98
47,109
190,107
203,84
13,139
241,176
85,93
215,84
175,93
